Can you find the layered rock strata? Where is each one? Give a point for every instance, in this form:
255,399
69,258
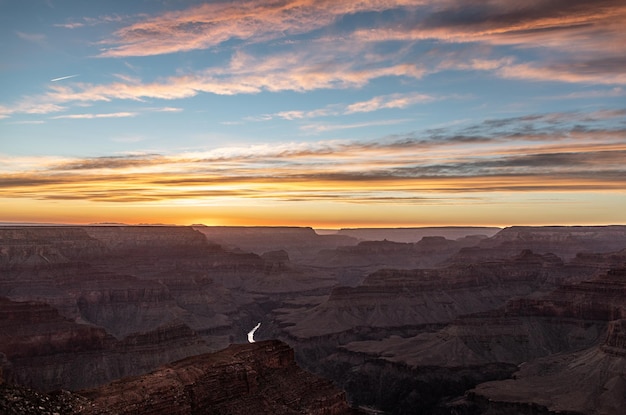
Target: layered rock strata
259,378
46,351
564,241
411,235
397,298
299,243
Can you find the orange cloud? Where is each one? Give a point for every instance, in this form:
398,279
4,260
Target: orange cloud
209,25
534,153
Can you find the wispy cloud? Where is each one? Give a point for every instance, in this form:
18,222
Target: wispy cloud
545,40
32,37
397,101
583,37
209,25
34,122
91,116
91,21
318,128
245,74
598,93
389,101
538,152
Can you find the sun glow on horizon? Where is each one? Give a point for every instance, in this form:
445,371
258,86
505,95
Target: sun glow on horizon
308,113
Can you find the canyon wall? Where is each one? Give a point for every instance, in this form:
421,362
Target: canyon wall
404,326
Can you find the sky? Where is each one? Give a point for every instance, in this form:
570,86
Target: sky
323,113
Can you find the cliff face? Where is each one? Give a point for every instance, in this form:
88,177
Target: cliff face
299,243
569,345
396,298
415,234
564,241
40,246
153,294
429,252
86,305
46,351
151,240
259,378
592,381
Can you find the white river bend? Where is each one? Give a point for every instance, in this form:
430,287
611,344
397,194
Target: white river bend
251,333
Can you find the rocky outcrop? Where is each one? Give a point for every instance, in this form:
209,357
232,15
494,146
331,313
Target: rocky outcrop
397,298
602,298
102,302
151,240
590,382
165,284
41,246
427,253
564,241
415,234
20,400
46,351
299,242
570,346
259,378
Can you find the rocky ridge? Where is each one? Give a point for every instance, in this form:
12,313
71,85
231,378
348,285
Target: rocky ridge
259,378
390,322
396,298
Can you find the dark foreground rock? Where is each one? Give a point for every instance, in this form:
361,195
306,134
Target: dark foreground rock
258,378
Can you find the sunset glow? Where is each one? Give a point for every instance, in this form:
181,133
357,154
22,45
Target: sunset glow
313,113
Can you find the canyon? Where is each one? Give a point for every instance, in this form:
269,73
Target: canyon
412,320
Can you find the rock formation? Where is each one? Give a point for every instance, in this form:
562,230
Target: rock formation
429,252
397,298
46,351
411,235
299,243
259,378
564,241
401,325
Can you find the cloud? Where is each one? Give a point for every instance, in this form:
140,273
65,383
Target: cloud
399,100
74,25
32,37
545,40
605,93
209,25
556,152
318,128
305,70
30,105
92,116
91,21
389,101
583,38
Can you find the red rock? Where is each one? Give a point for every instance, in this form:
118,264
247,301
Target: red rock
258,378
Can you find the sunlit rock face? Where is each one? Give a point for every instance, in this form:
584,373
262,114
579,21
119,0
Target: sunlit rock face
259,378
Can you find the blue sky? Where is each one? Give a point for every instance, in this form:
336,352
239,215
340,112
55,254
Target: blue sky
321,113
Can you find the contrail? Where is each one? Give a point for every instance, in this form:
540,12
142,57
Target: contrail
63,77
